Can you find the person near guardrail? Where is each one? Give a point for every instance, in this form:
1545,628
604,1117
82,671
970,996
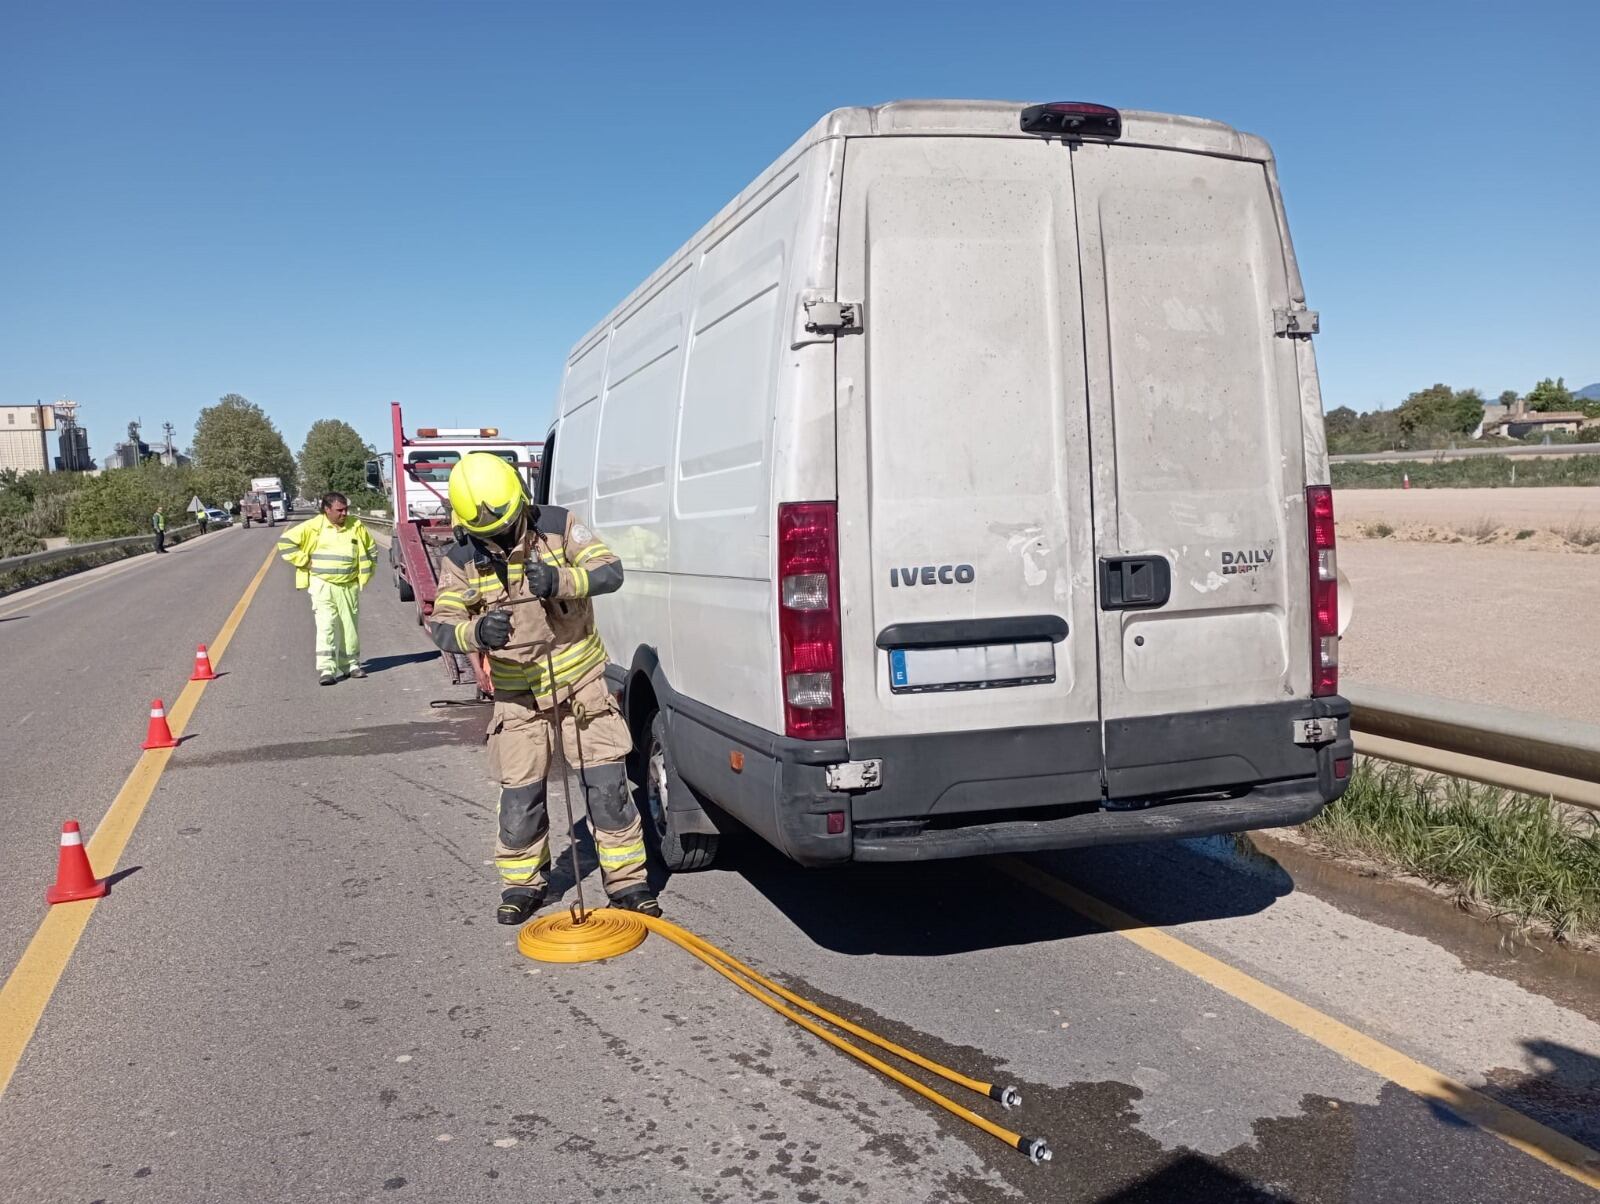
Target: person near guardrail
333,560
158,524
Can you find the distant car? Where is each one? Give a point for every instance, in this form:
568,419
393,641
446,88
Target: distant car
218,518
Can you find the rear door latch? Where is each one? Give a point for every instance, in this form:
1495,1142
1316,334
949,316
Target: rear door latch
1296,323
833,317
855,775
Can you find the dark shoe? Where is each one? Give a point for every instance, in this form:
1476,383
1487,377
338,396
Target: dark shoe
357,671
640,899
517,905
327,679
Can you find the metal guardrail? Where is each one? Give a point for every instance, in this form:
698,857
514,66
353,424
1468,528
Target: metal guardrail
1436,454
1515,750
73,551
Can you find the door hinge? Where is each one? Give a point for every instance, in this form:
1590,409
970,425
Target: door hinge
1316,731
1296,323
833,317
855,775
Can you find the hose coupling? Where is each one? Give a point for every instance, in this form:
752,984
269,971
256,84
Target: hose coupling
1035,1148
1009,1097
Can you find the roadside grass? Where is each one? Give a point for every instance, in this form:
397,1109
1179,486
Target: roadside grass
1480,528
1583,534
1379,530
1490,472
1516,855
1526,533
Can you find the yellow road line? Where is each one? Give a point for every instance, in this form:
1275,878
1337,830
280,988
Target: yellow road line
31,983
1562,1153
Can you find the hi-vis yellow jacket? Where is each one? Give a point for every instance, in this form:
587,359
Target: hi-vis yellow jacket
555,634
337,555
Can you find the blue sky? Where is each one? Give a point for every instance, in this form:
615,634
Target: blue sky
328,205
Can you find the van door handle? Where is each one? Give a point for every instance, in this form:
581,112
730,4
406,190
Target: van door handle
1134,582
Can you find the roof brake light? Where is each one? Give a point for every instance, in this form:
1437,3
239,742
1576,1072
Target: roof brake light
1072,119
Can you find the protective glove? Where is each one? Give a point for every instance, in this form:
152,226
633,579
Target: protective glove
543,579
493,630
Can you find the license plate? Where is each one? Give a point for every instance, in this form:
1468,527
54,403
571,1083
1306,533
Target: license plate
972,667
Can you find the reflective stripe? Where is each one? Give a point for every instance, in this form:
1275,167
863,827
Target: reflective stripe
589,552
580,581
621,855
585,649
449,597
542,858
569,667
462,630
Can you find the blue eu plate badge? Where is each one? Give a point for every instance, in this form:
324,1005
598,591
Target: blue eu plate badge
897,668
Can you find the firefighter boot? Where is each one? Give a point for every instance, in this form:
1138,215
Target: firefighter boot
518,903
637,898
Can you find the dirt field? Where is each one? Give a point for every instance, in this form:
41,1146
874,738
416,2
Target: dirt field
1482,624
1557,519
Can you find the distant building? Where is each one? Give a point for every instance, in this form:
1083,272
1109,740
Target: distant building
24,437
1547,422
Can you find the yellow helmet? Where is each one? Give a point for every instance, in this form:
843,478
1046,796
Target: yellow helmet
486,494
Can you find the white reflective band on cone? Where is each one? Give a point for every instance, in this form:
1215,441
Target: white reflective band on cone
69,838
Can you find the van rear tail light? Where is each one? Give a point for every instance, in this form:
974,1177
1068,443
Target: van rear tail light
808,621
1320,542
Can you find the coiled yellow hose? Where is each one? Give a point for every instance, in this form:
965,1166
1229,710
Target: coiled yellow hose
609,933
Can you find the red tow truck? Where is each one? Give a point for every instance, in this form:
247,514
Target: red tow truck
416,483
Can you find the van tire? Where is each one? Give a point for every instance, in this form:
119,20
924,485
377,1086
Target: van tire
407,594
680,852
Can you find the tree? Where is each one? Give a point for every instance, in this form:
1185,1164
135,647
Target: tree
1440,410
334,458
235,440
1550,395
1509,399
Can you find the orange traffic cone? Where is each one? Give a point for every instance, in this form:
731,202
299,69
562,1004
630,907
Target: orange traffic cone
1405,480
158,735
74,878
202,665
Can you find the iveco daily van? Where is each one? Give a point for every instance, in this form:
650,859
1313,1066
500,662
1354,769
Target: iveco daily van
968,469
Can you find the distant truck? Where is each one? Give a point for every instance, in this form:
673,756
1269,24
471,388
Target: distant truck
272,489
416,483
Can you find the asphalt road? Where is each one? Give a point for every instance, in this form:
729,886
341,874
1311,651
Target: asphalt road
296,990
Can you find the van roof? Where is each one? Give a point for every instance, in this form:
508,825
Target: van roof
970,118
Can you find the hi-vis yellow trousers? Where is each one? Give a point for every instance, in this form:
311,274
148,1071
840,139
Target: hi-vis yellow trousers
334,608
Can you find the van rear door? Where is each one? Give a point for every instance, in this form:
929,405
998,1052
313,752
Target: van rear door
966,542
1198,469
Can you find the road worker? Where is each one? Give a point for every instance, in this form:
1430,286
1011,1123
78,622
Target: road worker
158,524
517,586
333,559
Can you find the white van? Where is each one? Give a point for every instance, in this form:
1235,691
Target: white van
969,475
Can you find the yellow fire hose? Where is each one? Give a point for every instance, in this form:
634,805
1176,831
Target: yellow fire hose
606,932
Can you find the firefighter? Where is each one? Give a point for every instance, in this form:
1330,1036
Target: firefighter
517,586
333,560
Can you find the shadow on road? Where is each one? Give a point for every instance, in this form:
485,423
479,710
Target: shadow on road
121,874
378,664
935,908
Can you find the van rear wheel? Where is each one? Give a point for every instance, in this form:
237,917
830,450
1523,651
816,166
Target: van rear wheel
407,594
680,852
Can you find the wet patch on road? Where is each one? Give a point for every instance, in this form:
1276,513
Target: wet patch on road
1334,1151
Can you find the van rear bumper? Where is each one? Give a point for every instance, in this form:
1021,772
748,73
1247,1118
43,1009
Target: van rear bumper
1277,805
961,794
